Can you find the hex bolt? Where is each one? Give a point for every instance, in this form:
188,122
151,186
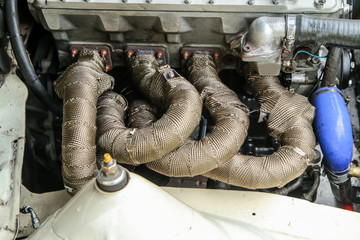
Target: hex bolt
103,52
185,55
74,52
171,74
129,54
159,54
285,53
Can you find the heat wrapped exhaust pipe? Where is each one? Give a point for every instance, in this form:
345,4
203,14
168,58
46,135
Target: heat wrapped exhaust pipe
230,125
165,88
79,87
290,120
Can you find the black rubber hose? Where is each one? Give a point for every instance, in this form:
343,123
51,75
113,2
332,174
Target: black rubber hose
331,67
341,32
26,68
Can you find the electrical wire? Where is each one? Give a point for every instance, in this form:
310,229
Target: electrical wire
310,54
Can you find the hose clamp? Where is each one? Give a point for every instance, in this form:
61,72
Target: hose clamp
327,89
289,40
301,153
129,144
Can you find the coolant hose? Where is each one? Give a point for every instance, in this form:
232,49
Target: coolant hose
333,128
341,32
228,134
167,90
331,68
22,58
80,86
290,121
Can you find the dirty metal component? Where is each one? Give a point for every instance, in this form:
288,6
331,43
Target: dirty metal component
167,90
112,177
104,51
80,86
290,121
158,52
171,24
230,118
12,143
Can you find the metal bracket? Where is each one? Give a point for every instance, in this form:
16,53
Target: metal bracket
158,52
290,32
104,51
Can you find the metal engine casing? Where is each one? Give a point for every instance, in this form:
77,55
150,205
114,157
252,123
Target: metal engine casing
169,24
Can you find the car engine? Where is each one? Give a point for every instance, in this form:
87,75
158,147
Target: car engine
185,119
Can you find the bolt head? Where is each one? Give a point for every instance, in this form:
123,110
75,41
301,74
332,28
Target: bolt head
74,52
129,54
103,52
159,54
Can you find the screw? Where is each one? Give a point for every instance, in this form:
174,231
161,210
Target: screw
129,54
124,1
159,54
74,52
148,1
212,1
251,2
103,52
187,1
186,55
276,2
216,55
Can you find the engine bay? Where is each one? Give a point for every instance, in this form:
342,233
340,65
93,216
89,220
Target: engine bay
175,102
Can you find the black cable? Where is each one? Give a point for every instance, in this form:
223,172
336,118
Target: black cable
26,68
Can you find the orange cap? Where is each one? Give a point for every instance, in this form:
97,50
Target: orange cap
107,157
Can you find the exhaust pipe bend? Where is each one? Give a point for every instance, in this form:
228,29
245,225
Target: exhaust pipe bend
290,121
231,122
165,88
79,87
